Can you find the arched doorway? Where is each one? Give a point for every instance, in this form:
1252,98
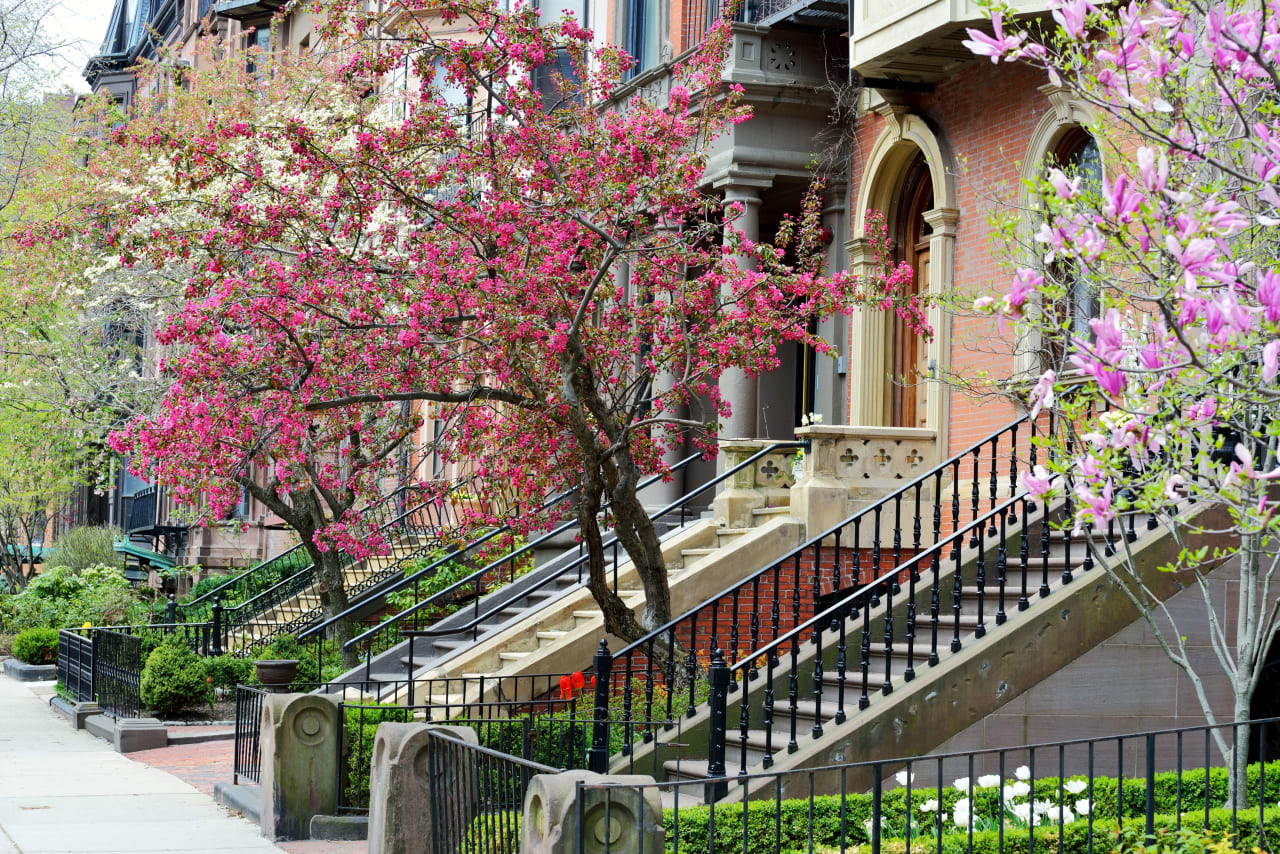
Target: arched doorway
907,358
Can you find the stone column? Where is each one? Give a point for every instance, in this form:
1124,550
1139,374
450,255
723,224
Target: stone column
942,258
830,389
300,735
868,340
614,821
735,386
406,774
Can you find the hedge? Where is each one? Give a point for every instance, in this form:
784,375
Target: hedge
785,826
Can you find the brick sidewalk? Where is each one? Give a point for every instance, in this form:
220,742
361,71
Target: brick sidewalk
203,765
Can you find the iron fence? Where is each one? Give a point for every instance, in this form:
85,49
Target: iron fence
1076,796
117,672
477,803
548,732
248,743
75,664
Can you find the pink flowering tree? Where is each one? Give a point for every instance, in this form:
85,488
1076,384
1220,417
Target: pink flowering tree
1170,387
414,227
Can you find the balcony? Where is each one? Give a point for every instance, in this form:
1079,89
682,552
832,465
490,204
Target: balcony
242,10
916,40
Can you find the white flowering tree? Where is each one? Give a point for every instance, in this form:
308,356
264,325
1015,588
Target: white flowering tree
1154,293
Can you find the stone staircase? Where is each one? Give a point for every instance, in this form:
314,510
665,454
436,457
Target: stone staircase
883,635
522,633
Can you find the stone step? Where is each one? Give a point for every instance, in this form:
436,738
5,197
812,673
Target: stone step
690,557
766,513
513,656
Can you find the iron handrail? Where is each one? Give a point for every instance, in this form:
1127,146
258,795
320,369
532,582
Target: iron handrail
436,564
406,514
813,541
217,591
878,583
480,573
476,621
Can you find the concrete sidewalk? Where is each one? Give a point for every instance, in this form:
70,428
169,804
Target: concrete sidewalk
65,792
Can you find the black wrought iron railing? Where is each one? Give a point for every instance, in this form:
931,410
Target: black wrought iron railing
117,679
547,731
412,528
574,569
649,685
75,663
413,581
247,764
266,575
1116,792
478,802
141,510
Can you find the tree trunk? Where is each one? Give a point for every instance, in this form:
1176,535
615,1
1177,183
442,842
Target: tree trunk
619,620
331,586
637,535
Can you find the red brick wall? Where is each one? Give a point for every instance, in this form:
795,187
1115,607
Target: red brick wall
985,114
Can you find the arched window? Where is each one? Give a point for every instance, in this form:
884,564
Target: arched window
1077,154
908,355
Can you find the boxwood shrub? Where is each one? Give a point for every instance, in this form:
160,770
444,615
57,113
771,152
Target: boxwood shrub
36,646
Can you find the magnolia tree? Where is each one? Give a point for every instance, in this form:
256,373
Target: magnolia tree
540,274
1173,385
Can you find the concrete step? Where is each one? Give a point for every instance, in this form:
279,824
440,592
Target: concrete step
765,513
691,557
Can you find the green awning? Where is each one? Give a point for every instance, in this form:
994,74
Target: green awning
125,547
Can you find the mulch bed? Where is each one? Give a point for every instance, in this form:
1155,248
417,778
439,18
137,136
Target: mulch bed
223,710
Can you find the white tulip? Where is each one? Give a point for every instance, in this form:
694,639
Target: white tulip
1022,772
1022,811
1075,787
962,784
1083,807
989,781
1067,815
904,778
962,818
930,805
1015,790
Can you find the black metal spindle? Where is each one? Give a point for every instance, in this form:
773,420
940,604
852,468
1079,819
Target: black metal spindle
975,498
864,654
1013,473
1002,566
995,485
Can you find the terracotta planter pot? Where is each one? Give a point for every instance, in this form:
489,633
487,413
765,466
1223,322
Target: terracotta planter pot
275,674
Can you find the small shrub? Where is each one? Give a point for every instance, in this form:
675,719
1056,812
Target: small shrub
206,585
81,548
36,646
6,644
227,671
174,677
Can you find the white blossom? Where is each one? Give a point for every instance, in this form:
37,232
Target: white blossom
988,781
961,783
1022,772
904,778
930,805
1083,806
1075,787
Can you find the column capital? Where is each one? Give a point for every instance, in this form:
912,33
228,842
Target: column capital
942,220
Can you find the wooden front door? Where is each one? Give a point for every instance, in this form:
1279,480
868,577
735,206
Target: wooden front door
908,351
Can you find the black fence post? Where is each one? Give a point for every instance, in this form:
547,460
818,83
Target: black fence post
171,611
93,666
217,625
1151,788
877,789
598,755
718,678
